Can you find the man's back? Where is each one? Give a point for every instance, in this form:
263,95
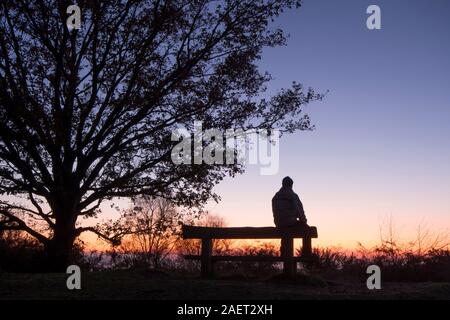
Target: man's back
287,208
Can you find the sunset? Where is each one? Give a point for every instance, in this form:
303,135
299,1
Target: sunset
380,144
226,152
378,151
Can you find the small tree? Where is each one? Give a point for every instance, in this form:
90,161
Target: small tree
153,224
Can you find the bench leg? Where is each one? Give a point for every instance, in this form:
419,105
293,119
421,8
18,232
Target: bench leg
307,248
287,253
307,253
206,268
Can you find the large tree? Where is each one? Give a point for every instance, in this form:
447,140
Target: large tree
86,115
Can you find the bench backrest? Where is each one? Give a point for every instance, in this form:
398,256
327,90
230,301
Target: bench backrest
195,232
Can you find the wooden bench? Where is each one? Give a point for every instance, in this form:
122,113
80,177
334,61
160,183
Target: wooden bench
287,236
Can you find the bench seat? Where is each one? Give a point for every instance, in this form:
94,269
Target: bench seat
195,232
286,235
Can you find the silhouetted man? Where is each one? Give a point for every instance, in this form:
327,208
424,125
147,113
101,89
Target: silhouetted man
287,208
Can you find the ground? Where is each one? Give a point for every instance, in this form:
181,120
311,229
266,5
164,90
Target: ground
156,285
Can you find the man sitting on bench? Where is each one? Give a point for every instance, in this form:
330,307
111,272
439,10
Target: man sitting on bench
287,208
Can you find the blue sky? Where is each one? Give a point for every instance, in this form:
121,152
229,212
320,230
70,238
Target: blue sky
381,146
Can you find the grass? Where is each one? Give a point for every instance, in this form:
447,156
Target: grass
161,286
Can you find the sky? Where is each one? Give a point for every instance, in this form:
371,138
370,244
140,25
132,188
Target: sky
380,153
380,150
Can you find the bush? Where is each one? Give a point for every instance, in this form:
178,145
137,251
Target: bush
20,253
401,265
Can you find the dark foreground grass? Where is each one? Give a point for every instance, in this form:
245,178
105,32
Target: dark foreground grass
160,286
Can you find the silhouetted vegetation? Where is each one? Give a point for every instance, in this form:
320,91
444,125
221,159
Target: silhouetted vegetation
19,252
87,115
427,258
248,269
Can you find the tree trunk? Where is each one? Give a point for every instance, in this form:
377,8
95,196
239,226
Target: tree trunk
58,252
59,249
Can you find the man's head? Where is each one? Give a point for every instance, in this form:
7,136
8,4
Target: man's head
287,182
